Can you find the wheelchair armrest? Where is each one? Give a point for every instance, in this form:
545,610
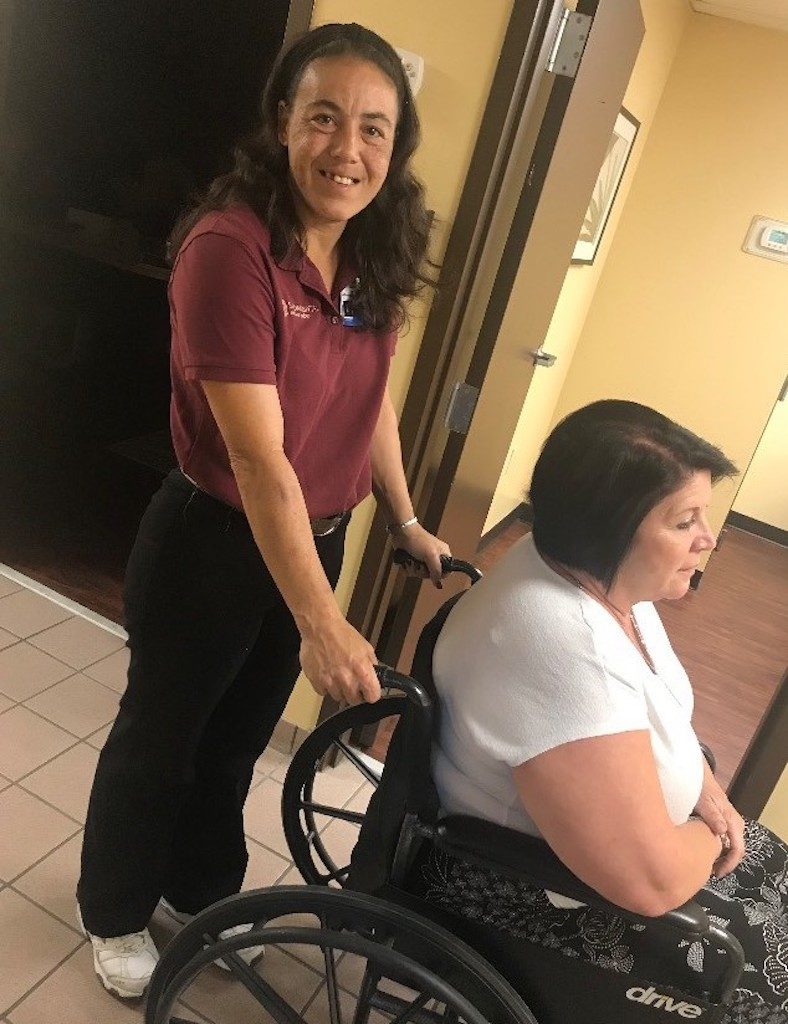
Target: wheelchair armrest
517,854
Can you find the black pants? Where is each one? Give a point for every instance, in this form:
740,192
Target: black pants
214,658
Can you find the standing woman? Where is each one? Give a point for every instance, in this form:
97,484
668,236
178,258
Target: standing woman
288,287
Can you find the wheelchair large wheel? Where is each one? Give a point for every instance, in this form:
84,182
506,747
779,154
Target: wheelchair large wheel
362,960
319,852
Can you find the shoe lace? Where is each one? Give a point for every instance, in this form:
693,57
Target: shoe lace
130,945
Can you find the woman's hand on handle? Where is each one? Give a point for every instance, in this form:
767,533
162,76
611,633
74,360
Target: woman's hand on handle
424,547
339,662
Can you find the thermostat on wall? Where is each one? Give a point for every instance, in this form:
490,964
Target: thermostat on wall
768,238
775,239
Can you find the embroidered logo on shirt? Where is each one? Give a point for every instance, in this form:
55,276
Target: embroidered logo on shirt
297,310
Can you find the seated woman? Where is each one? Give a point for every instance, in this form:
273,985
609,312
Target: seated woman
566,714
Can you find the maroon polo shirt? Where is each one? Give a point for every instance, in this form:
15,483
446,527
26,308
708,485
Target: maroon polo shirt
239,315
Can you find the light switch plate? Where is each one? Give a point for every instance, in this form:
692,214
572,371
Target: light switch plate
414,68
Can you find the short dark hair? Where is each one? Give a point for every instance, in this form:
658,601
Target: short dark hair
388,239
601,471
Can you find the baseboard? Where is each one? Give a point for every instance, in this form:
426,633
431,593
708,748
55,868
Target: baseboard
284,736
287,738
759,529
521,513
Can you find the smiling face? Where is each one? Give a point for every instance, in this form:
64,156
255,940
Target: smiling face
339,133
668,544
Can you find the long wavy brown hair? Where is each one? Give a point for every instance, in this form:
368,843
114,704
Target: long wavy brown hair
388,239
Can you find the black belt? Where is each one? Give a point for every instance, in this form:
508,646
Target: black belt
328,524
321,527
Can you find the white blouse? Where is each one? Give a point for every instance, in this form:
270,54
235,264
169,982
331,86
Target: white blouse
526,662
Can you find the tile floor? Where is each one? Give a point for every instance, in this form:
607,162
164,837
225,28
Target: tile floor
60,679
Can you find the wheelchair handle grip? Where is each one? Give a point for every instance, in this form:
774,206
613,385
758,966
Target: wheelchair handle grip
402,558
389,678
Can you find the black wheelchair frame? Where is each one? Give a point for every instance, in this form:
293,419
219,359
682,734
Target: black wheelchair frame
365,904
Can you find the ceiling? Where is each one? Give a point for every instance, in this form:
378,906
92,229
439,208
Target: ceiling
768,13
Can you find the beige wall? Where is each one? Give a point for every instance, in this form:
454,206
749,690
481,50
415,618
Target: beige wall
665,23
763,494
460,41
775,813
682,319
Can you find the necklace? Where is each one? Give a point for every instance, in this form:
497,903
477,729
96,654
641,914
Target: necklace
622,617
642,643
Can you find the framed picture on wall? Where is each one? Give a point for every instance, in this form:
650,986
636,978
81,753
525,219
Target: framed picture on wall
606,187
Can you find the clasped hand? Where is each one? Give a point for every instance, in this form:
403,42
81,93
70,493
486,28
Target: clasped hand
719,814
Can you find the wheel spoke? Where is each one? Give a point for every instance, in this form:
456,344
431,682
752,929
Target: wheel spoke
356,761
364,1005
332,988
390,1004
338,813
267,996
417,1004
336,876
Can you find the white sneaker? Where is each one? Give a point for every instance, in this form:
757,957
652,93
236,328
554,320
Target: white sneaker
247,955
124,963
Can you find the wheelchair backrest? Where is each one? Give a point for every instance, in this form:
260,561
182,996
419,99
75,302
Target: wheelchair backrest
406,786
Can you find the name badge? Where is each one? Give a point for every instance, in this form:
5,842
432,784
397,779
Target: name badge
346,312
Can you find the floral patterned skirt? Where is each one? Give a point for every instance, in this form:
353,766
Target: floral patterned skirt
751,902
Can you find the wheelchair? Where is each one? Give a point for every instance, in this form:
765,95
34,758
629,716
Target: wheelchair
383,952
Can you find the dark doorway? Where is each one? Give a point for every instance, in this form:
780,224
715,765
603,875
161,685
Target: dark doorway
112,114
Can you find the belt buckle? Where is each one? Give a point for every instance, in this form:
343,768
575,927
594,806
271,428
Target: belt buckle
326,525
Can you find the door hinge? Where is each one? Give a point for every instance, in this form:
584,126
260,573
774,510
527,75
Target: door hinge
462,404
570,41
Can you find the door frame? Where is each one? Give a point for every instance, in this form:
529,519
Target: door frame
531,22
509,207
528,33
299,20
763,764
